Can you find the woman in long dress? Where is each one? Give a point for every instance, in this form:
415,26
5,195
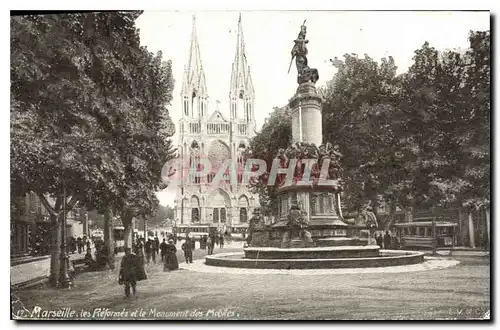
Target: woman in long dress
170,261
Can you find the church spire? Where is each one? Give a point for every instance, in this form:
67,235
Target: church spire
241,92
239,74
194,90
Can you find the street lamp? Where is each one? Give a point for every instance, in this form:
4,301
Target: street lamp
64,279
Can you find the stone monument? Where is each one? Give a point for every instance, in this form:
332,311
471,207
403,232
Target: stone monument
309,204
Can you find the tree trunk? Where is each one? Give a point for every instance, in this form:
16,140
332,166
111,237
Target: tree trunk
128,236
55,250
127,224
56,219
461,229
472,238
488,226
108,239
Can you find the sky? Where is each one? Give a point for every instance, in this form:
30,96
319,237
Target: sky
269,39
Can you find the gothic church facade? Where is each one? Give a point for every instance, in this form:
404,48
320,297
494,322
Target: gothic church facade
228,204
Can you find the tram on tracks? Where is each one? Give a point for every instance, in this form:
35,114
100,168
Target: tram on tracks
426,233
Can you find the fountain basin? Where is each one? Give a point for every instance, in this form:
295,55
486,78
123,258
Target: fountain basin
327,252
386,258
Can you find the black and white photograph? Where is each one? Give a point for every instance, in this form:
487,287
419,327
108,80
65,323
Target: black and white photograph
250,165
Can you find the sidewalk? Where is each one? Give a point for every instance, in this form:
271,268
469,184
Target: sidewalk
30,271
464,253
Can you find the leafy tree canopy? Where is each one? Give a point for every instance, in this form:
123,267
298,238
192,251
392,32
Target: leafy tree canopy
88,111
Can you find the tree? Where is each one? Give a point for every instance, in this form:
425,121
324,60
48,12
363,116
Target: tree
275,134
358,115
160,216
88,116
446,102
473,134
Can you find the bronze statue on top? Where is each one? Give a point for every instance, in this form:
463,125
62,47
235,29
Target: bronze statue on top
299,52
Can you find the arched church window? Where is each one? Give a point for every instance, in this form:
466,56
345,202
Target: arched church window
243,215
195,215
194,104
241,104
195,209
186,106
223,215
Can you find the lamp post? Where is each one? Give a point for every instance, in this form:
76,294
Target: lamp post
64,279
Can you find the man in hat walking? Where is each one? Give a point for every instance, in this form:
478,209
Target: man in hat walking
131,271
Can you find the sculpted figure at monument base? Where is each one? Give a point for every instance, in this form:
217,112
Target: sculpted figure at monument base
296,228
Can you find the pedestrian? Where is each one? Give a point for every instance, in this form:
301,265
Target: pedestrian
187,247
163,249
379,240
79,243
210,245
149,248
131,271
387,240
170,262
140,251
217,239
157,247
88,257
221,241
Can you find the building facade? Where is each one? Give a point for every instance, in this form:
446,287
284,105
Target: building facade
31,229
228,204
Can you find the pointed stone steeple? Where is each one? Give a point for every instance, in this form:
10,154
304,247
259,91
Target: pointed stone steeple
241,93
194,90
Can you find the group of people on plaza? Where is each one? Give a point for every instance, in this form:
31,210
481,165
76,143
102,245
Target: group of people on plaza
144,252
77,244
384,242
210,241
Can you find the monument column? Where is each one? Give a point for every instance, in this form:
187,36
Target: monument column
307,124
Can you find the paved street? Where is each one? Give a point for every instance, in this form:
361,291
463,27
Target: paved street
460,291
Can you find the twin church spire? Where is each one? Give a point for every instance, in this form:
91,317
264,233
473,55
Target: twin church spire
194,87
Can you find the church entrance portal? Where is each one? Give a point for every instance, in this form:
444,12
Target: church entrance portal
219,215
220,202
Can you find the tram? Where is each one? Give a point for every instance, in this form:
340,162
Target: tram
424,233
196,231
